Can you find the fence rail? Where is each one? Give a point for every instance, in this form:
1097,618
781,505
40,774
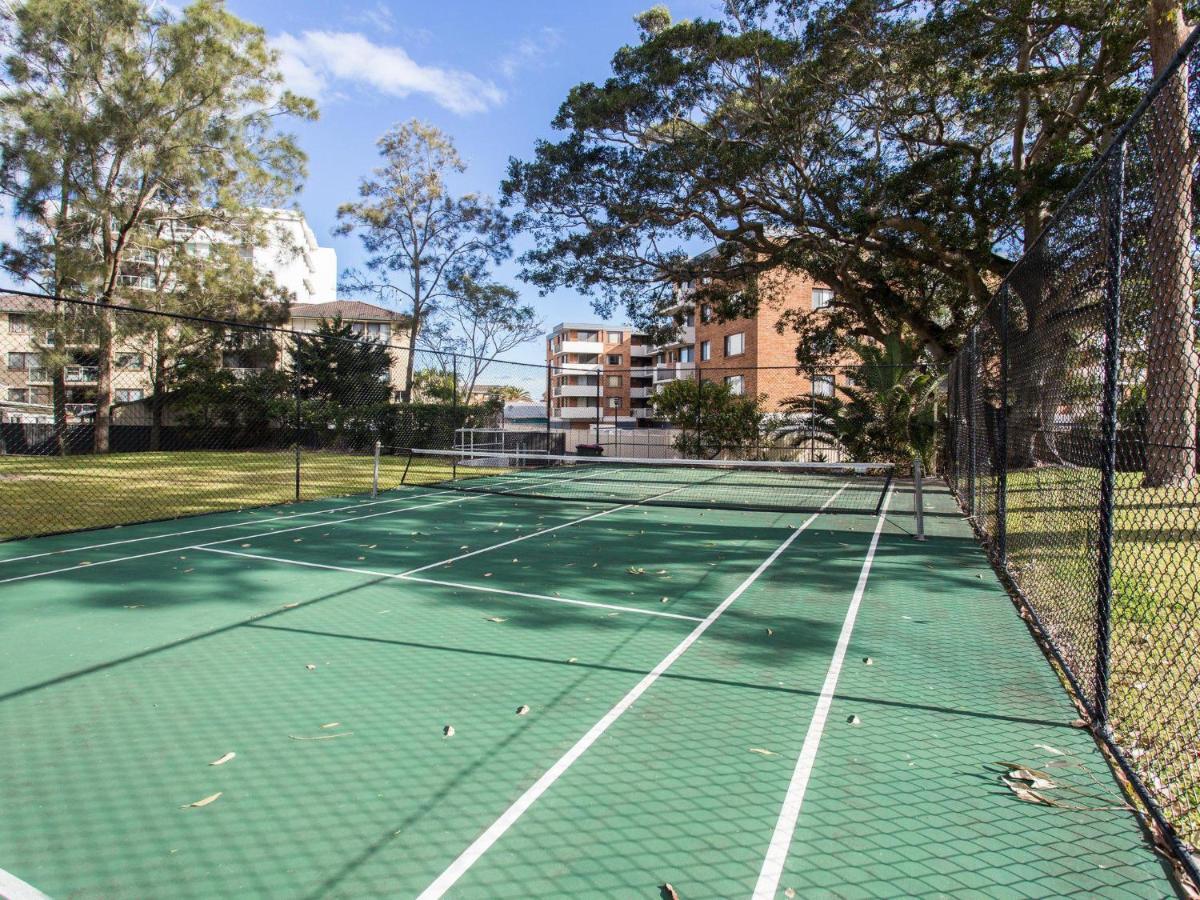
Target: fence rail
1071,444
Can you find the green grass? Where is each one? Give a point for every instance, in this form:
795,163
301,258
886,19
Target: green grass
43,495
1155,670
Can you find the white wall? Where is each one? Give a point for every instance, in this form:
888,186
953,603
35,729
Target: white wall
298,263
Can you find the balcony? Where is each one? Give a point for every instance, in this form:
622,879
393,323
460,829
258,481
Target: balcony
590,347
576,367
641,372
81,374
638,393
577,412
642,412
673,371
576,390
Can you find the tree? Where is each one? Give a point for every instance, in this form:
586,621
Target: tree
208,279
1172,363
344,382
508,393
886,411
120,115
903,154
711,419
421,238
482,320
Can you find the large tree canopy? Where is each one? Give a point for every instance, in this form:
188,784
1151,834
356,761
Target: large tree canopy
903,153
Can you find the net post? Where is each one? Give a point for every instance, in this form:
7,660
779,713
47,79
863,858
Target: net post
919,497
296,393
1108,430
407,463
375,472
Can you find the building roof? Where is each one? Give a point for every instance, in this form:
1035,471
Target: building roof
350,310
18,303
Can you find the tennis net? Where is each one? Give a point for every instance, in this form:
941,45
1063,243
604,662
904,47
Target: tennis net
708,484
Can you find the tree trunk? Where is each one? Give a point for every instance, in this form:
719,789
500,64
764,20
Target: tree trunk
157,398
104,350
414,326
1172,374
59,399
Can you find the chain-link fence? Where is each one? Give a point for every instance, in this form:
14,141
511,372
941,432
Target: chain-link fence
115,414
1072,444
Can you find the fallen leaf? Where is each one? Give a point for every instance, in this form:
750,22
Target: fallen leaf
320,737
522,710
331,724
199,803
448,731
854,720
1051,750
761,752
867,661
224,759
496,619
290,605
310,667
667,892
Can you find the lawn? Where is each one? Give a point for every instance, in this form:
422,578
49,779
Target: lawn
1155,669
42,495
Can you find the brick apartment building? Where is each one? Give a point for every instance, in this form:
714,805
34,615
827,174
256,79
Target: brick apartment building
616,369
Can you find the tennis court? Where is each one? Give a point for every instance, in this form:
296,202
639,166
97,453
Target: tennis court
594,682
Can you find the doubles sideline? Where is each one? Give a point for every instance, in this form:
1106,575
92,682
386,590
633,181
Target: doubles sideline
509,817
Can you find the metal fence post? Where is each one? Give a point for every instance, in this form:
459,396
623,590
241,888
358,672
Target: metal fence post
1002,439
299,430
453,400
699,408
599,401
549,402
375,471
969,377
1108,426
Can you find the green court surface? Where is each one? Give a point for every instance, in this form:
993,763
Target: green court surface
700,711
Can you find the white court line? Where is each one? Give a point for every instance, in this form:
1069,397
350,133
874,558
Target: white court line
250,537
567,600
785,827
240,537
157,537
524,537
454,584
508,818
13,888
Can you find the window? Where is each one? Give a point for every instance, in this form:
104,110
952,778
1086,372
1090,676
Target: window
39,396
822,385
614,359
737,384
128,395
129,360
706,313
735,344
587,336
18,395
17,324
705,351
687,354
19,362
689,320
659,359
821,297
614,337
613,381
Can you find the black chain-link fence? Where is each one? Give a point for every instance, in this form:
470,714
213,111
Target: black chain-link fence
115,414
1072,444
112,415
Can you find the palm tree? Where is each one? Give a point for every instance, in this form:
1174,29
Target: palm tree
886,411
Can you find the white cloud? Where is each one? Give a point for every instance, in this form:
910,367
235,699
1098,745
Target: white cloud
315,60
378,17
530,52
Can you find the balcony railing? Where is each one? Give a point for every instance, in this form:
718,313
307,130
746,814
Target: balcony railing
81,374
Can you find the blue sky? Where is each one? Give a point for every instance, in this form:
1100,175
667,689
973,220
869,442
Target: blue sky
490,74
